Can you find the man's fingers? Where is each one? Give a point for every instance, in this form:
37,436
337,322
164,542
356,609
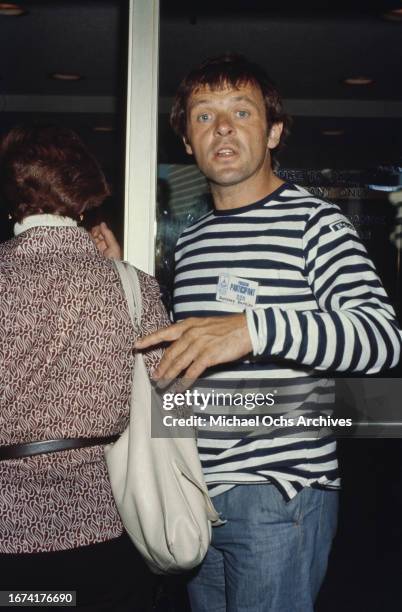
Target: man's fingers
198,343
167,334
194,372
175,361
163,335
172,357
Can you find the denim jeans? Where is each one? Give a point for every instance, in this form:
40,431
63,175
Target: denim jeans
270,555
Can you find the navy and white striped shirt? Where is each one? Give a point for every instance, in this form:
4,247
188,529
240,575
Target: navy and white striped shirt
320,306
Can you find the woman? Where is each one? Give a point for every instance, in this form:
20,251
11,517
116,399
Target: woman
66,357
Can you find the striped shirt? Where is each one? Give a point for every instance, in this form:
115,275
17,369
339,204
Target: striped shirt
318,305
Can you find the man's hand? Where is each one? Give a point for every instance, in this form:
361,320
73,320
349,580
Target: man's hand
199,343
106,241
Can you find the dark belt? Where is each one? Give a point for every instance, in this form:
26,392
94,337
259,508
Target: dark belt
15,451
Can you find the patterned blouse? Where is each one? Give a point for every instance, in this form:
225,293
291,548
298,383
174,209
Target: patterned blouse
66,360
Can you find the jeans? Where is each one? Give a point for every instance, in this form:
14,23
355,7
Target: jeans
270,555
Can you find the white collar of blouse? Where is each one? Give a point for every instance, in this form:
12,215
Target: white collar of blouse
43,220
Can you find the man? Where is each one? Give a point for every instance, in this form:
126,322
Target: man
314,303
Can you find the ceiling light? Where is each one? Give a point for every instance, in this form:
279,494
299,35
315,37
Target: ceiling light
103,128
65,76
358,80
11,10
394,15
332,132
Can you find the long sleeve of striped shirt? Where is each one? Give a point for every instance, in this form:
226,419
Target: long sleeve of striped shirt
354,327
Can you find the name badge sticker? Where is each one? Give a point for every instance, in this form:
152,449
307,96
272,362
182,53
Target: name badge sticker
234,290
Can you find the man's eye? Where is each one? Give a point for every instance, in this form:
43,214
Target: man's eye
242,113
203,117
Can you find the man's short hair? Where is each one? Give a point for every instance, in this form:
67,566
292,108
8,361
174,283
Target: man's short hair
49,170
234,71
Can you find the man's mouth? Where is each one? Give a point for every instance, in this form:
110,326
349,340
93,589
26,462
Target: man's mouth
225,152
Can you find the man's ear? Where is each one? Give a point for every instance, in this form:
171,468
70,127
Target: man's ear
187,146
274,135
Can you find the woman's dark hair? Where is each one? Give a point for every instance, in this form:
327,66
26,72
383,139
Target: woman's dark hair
49,170
229,70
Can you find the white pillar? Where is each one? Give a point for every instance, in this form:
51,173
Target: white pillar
141,136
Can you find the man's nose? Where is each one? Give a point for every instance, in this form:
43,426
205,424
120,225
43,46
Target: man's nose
224,125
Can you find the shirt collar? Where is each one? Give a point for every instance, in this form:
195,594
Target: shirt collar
43,220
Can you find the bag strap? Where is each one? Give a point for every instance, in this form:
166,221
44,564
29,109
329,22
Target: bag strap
131,288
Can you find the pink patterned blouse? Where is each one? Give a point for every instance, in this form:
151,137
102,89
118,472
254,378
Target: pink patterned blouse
66,360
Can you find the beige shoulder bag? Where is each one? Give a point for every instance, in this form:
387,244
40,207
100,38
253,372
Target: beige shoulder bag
158,483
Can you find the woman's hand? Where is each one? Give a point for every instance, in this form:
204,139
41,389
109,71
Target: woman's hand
106,241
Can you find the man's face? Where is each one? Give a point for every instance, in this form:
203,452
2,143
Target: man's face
227,133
